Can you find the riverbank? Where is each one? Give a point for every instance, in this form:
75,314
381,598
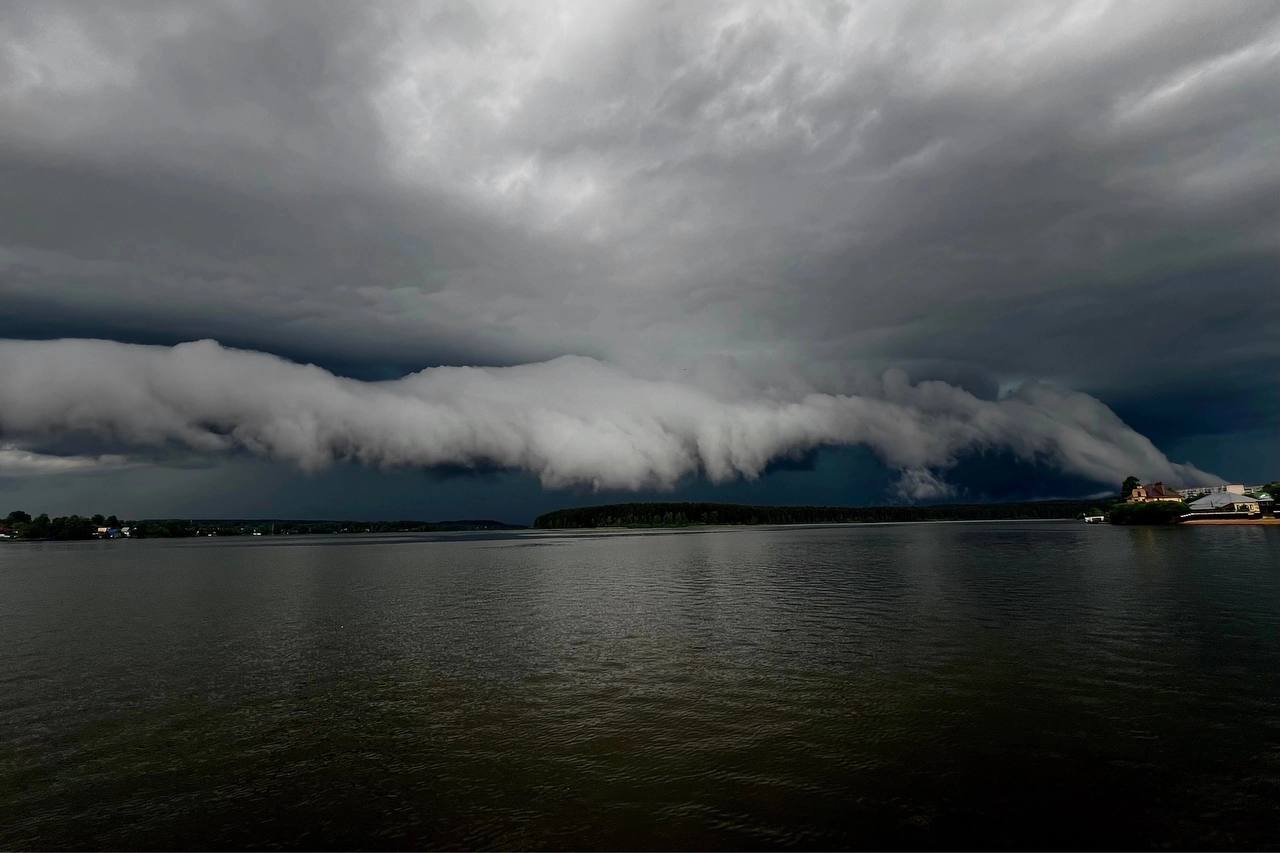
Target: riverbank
1268,522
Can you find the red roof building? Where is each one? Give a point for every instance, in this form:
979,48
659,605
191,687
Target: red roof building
1154,492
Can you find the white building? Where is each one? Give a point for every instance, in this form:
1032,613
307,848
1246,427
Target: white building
1225,502
1229,488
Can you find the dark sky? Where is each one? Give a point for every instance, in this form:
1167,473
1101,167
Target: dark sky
455,259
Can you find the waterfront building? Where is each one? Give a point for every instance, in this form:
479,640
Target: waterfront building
1153,492
1226,502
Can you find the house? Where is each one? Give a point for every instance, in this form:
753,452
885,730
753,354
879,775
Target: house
1226,502
1152,493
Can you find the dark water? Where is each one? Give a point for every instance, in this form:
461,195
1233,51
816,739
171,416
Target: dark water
943,685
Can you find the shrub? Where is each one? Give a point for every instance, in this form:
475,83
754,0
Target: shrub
1153,512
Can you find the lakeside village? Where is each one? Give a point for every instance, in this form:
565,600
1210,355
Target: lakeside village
1156,503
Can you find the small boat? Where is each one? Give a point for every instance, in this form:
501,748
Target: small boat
1094,519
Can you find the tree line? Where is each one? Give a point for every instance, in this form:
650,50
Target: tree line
690,514
21,525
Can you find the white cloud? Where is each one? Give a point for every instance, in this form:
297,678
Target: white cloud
999,193
568,421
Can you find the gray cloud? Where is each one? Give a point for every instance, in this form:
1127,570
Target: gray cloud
570,421
757,201
17,462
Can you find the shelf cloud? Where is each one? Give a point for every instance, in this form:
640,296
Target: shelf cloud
569,421
744,217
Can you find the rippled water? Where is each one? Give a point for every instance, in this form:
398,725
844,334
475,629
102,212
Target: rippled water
1018,684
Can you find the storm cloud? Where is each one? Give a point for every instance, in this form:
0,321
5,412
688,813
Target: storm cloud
738,230
16,462
571,421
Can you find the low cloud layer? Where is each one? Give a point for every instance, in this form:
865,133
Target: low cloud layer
569,421
728,209
18,462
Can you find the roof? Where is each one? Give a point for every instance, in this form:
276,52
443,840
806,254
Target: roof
1220,500
1160,490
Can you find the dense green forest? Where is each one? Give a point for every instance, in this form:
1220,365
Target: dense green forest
688,514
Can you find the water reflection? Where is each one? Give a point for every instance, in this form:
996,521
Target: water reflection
920,685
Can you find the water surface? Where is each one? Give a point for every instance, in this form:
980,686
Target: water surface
941,685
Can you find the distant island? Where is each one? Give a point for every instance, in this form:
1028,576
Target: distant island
695,514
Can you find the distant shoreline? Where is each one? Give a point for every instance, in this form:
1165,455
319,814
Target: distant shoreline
676,515
1218,522
77,528
639,527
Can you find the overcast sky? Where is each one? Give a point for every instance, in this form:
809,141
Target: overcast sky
810,252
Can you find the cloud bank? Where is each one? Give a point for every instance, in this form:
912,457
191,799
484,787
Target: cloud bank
755,208
570,421
1003,187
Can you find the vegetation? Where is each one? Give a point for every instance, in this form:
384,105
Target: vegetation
690,514
165,528
1126,489
20,525
1124,511
1149,512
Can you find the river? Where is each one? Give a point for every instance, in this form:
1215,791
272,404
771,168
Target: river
1020,684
